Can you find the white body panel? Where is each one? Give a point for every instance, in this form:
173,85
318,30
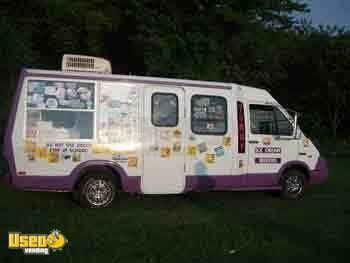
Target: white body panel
122,131
163,165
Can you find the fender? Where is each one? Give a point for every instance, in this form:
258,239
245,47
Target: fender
129,184
291,164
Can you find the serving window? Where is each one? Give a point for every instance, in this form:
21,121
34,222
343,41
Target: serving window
60,110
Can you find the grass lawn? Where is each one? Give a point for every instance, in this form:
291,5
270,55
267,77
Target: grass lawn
200,227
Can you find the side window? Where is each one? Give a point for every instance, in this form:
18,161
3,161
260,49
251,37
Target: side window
60,110
269,120
208,115
60,125
262,119
283,124
165,110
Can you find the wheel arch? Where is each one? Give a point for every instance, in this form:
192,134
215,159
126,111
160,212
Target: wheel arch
83,170
298,165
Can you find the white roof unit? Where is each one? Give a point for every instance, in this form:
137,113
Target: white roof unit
86,64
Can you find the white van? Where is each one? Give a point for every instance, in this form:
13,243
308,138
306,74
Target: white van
94,133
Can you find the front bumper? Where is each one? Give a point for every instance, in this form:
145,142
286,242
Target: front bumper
320,174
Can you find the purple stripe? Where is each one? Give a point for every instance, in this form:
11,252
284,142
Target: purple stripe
320,174
8,147
129,184
230,183
218,182
132,184
265,179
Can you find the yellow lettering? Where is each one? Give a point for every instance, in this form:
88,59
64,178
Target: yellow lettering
33,241
23,241
42,241
13,240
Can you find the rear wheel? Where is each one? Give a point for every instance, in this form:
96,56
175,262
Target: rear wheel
293,184
96,191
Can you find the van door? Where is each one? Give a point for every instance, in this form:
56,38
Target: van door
163,137
209,153
271,143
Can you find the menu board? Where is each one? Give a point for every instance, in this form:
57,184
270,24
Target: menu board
60,94
118,113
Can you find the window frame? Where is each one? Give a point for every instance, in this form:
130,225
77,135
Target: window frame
177,109
287,120
226,115
58,79
274,108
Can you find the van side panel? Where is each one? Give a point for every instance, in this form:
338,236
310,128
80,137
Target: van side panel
116,143
49,161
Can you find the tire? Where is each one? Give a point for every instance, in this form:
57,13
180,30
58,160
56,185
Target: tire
96,190
293,184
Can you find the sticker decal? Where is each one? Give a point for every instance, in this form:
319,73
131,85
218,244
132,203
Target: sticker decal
267,160
55,152
269,150
30,149
53,157
132,161
165,152
76,157
219,151
191,150
226,141
41,152
177,133
210,158
99,149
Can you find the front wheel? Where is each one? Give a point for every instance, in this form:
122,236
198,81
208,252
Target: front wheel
293,184
96,191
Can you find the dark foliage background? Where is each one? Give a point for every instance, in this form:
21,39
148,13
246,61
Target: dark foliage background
251,42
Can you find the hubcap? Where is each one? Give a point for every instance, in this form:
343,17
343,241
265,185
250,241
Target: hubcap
294,184
99,192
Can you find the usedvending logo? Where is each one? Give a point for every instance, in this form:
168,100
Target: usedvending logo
37,244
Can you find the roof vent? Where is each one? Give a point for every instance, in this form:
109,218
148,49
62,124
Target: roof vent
86,63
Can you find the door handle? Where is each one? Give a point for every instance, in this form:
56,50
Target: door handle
253,142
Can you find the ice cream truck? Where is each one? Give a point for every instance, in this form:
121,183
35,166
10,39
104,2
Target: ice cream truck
93,133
